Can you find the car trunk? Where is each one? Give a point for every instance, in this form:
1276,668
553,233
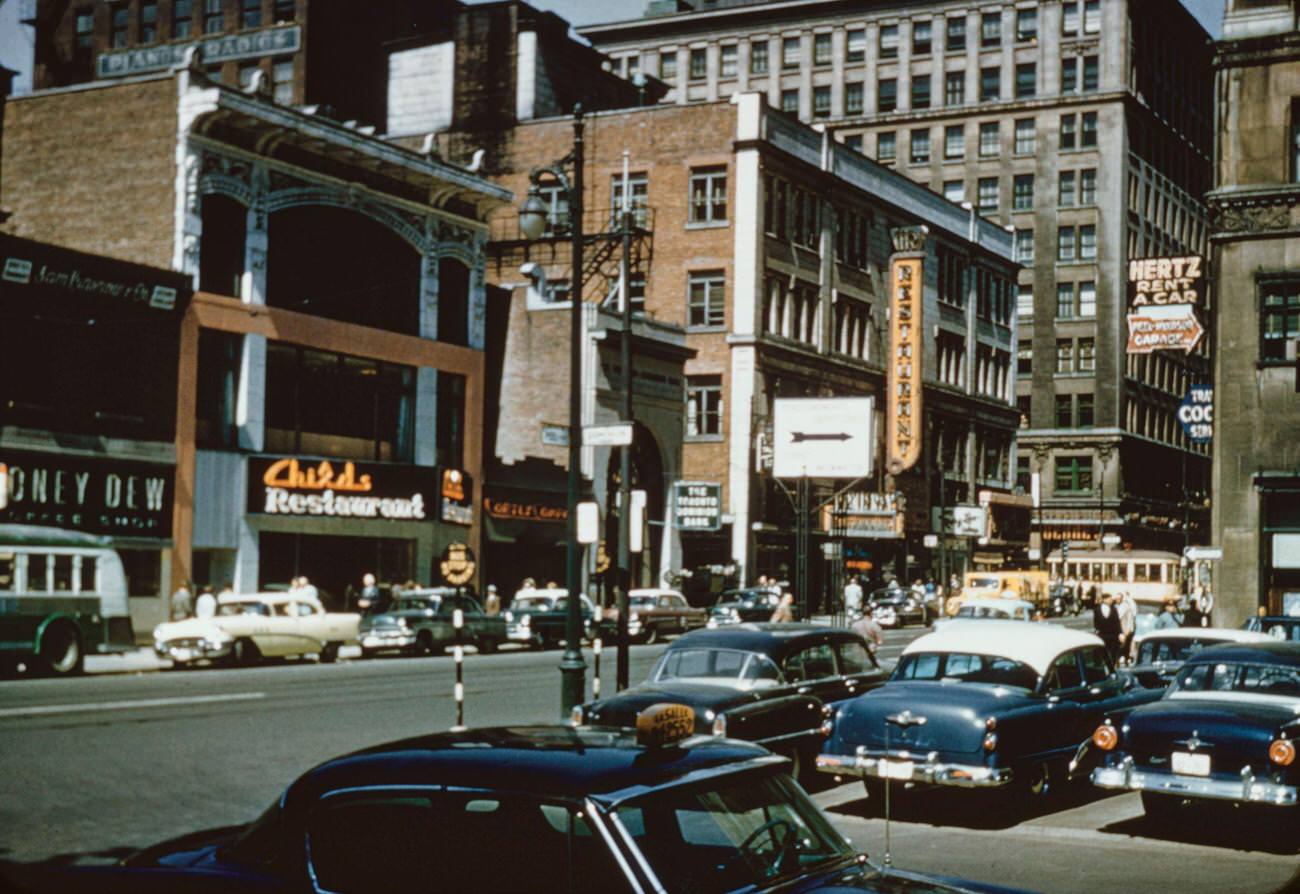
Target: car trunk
1234,734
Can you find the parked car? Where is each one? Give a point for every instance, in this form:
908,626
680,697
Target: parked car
1225,730
1285,627
746,604
1158,655
421,622
767,683
652,613
990,609
983,704
894,607
247,628
539,619
548,810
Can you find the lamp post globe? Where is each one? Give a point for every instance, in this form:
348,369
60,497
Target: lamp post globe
532,215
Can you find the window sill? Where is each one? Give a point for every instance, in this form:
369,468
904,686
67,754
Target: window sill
1275,363
707,224
704,330
704,439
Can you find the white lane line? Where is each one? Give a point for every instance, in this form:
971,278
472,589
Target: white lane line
128,705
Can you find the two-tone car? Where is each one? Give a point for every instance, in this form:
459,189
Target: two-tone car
652,613
546,810
248,628
744,605
896,607
774,684
422,622
982,704
989,610
1159,654
1225,730
539,618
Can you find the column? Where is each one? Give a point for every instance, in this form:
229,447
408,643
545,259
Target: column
250,402
426,381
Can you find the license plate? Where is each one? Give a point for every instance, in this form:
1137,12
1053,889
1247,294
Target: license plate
1190,764
896,769
183,654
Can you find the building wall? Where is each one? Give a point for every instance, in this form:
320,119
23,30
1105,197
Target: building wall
79,175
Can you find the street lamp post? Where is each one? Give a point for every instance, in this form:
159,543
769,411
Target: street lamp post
532,223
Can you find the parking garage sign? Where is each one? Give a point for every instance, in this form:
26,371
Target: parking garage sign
1196,414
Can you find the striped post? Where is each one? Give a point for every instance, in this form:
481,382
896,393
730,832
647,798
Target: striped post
458,622
595,678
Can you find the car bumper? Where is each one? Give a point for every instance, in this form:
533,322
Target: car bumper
904,768
1128,777
385,640
518,634
184,653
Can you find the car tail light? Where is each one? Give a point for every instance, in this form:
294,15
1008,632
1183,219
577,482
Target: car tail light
1282,752
720,725
1105,737
990,741
991,724
575,716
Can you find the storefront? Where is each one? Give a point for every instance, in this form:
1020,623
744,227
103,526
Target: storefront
524,536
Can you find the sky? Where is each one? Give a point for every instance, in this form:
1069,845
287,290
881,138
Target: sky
15,40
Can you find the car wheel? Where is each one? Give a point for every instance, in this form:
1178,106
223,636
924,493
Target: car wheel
424,643
244,652
330,653
651,635
486,646
60,652
367,653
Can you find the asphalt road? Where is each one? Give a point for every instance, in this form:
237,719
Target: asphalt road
93,768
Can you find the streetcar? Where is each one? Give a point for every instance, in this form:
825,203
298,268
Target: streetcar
1149,576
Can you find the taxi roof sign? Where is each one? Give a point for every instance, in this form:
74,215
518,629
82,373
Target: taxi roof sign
664,724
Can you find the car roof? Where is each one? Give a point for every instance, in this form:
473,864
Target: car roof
550,761
1226,634
767,638
1007,604
272,598
1272,652
1034,643
652,591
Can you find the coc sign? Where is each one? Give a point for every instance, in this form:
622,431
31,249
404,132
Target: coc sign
1196,414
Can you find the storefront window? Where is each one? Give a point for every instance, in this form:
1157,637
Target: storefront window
143,569
334,405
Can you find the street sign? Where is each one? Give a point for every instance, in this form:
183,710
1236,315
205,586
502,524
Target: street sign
930,541
697,505
617,435
636,523
1196,414
1203,553
818,437
555,435
1110,540
588,522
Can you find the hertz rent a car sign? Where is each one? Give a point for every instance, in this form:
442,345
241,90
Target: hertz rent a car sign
1163,295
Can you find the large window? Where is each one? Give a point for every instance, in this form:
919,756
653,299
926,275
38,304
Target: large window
1025,249
987,194
706,302
250,14
954,141
335,405
990,139
148,21
887,95
85,25
703,406
1065,301
1073,474
790,52
1088,135
990,84
1087,355
727,59
214,21
450,445
668,65
121,16
822,101
921,38
954,90
1069,74
217,387
699,63
790,101
758,57
1065,189
853,98
1026,135
1088,186
1279,319
920,149
920,91
956,33
709,195
1027,24
886,146
990,30
1091,74
1022,194
1026,80
855,45
888,41
821,49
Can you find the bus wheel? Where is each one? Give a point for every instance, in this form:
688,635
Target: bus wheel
60,652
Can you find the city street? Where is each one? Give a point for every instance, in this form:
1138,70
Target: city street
93,768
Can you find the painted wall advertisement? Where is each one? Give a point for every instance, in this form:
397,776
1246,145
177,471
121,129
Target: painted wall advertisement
1163,295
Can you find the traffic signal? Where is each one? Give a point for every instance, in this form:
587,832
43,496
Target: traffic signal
1065,551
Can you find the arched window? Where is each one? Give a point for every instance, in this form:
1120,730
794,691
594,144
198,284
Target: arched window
453,302
221,248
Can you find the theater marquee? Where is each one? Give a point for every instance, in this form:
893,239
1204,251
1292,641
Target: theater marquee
903,408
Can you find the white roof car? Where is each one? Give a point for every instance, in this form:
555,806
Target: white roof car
1209,634
1035,644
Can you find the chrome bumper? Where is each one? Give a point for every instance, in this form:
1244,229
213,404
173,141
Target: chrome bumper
913,768
183,654
1247,789
376,641
518,634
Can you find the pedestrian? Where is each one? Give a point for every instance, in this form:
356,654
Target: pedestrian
869,629
784,612
1204,604
1168,617
183,602
308,593
853,597
206,605
526,588
1193,617
227,589
1127,610
369,597
1105,620
491,601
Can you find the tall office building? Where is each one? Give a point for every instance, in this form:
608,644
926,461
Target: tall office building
1083,126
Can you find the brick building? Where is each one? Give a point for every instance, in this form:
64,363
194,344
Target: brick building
1084,125
1256,205
769,245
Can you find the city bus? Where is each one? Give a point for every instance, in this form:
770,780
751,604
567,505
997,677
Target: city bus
1150,576
62,594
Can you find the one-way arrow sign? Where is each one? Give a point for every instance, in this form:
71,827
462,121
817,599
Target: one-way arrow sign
831,437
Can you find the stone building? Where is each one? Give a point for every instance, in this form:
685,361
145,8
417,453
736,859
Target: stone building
1256,207
1083,125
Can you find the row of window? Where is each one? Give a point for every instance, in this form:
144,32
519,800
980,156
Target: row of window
706,199
1073,474
792,213
954,30
1073,355
211,19
1077,131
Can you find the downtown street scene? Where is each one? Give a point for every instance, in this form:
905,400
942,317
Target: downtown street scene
649,446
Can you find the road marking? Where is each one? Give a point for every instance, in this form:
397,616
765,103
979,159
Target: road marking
128,705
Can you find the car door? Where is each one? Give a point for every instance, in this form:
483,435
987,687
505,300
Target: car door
1111,693
857,673
670,615
304,630
1067,693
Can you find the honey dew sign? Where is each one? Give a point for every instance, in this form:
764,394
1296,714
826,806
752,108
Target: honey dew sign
1163,296
903,408
299,487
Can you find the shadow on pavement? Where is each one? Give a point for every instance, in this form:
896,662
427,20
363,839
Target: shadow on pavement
986,810
1241,828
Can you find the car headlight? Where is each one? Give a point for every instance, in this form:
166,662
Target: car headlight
576,716
525,621
633,616
401,622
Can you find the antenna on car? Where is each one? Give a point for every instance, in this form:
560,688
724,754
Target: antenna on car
903,720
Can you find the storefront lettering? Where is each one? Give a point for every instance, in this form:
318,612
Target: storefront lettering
81,494
288,473
524,511
281,502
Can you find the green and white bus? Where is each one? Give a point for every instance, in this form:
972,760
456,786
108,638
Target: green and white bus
62,594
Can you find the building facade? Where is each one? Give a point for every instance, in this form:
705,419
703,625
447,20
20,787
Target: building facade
1082,125
1256,206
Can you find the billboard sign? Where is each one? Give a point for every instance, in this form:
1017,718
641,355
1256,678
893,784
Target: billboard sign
1196,414
1163,294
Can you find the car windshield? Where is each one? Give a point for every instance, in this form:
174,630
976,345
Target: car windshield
754,600
641,601
418,605
533,604
1153,650
966,667
1254,679
730,833
715,664
984,611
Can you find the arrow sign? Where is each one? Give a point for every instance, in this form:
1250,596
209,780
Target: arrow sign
823,437
1161,327
798,437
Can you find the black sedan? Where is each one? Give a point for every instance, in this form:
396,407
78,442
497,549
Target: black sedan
739,606
1225,730
535,809
769,683
892,607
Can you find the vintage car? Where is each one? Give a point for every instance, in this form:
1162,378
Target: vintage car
740,606
1285,627
1159,654
1225,730
895,607
982,704
539,618
421,622
990,610
653,613
547,810
247,628
767,683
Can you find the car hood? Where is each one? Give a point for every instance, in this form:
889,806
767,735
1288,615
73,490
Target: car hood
621,710
190,628
868,878
955,715
1236,733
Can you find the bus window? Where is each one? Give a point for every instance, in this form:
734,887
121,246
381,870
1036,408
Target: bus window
38,573
89,583
62,573
1140,571
7,568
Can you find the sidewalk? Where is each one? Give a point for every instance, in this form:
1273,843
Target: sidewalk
145,660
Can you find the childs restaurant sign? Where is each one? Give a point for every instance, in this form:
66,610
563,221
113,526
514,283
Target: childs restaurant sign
286,485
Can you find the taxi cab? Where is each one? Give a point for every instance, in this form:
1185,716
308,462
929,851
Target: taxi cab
651,809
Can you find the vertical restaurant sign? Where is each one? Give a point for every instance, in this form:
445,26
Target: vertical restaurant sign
903,408
457,497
